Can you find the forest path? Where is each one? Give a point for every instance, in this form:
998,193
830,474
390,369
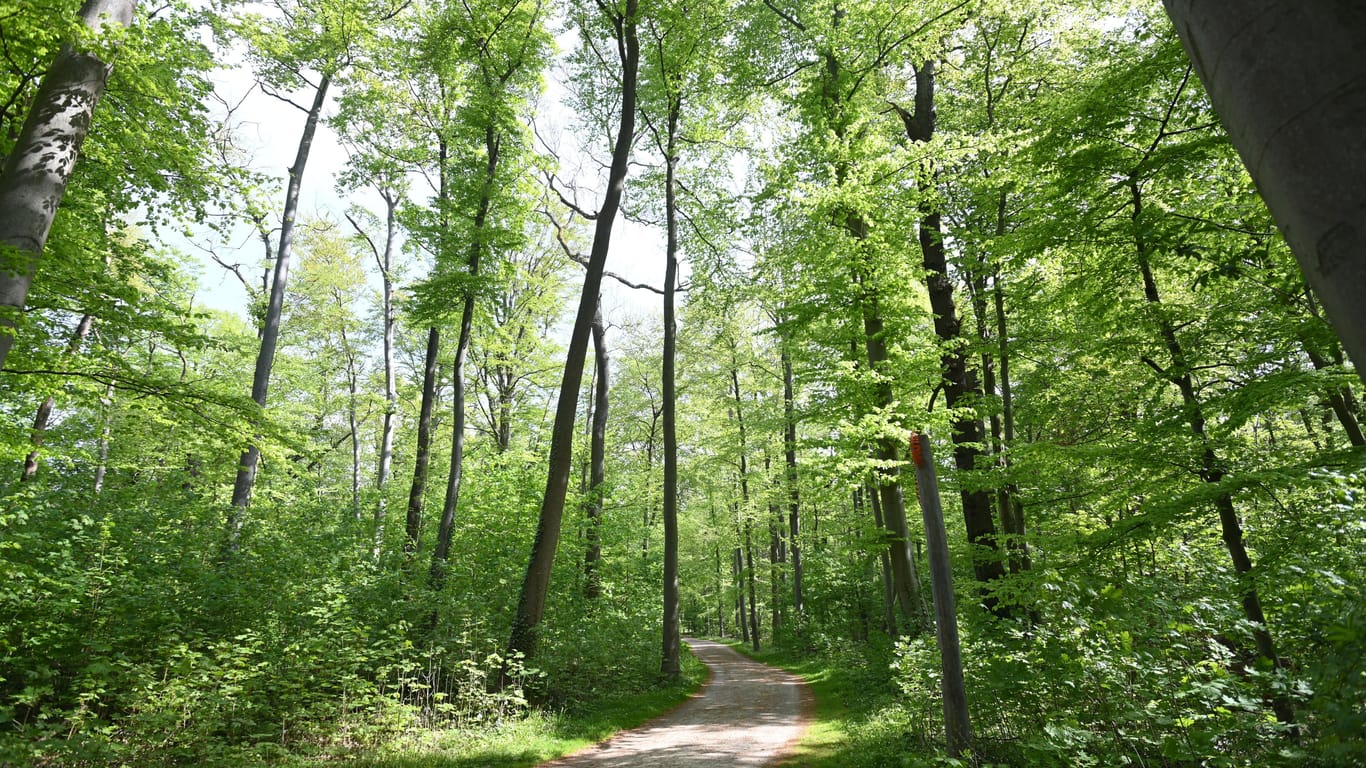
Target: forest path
748,714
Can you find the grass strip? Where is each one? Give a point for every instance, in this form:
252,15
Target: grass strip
540,736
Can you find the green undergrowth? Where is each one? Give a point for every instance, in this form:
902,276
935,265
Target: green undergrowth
541,735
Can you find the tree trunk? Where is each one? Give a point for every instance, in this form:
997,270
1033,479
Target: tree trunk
446,528
959,383
887,479
413,525
1295,117
106,426
749,580
531,601
1339,398
889,592
793,486
1008,497
597,458
352,385
957,726
45,410
41,161
386,435
737,567
1178,373
270,335
670,666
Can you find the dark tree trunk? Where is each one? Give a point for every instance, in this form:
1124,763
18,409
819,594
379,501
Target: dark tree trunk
793,486
1178,373
672,642
889,594
413,525
446,528
597,459
960,385
887,478
531,601
35,173
270,335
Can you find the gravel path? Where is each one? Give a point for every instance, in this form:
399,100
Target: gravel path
748,714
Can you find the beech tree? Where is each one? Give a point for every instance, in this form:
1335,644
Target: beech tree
1295,121
309,48
39,165
619,26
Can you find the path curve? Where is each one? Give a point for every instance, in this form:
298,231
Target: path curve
748,714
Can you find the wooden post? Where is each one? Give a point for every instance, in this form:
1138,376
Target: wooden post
957,728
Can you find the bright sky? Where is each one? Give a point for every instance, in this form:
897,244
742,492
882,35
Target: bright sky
270,129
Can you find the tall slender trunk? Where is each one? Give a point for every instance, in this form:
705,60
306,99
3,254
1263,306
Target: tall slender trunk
35,173
957,726
749,579
270,335
889,592
887,478
794,520
106,426
386,435
1008,497
412,529
446,528
531,600
737,567
352,387
670,666
597,457
1178,373
44,414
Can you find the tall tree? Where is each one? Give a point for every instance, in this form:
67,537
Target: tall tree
504,45
40,164
621,25
1295,119
309,39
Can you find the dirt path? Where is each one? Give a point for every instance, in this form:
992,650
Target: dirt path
748,714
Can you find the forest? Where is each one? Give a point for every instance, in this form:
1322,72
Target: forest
629,320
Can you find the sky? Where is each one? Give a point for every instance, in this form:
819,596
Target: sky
269,131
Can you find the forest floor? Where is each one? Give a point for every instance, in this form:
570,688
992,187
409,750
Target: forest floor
748,714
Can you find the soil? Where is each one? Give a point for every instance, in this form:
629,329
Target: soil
748,714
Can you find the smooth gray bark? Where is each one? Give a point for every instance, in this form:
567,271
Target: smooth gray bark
270,333
40,164
1288,80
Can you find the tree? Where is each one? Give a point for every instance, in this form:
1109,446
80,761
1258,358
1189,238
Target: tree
1295,120
316,39
40,164
621,25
